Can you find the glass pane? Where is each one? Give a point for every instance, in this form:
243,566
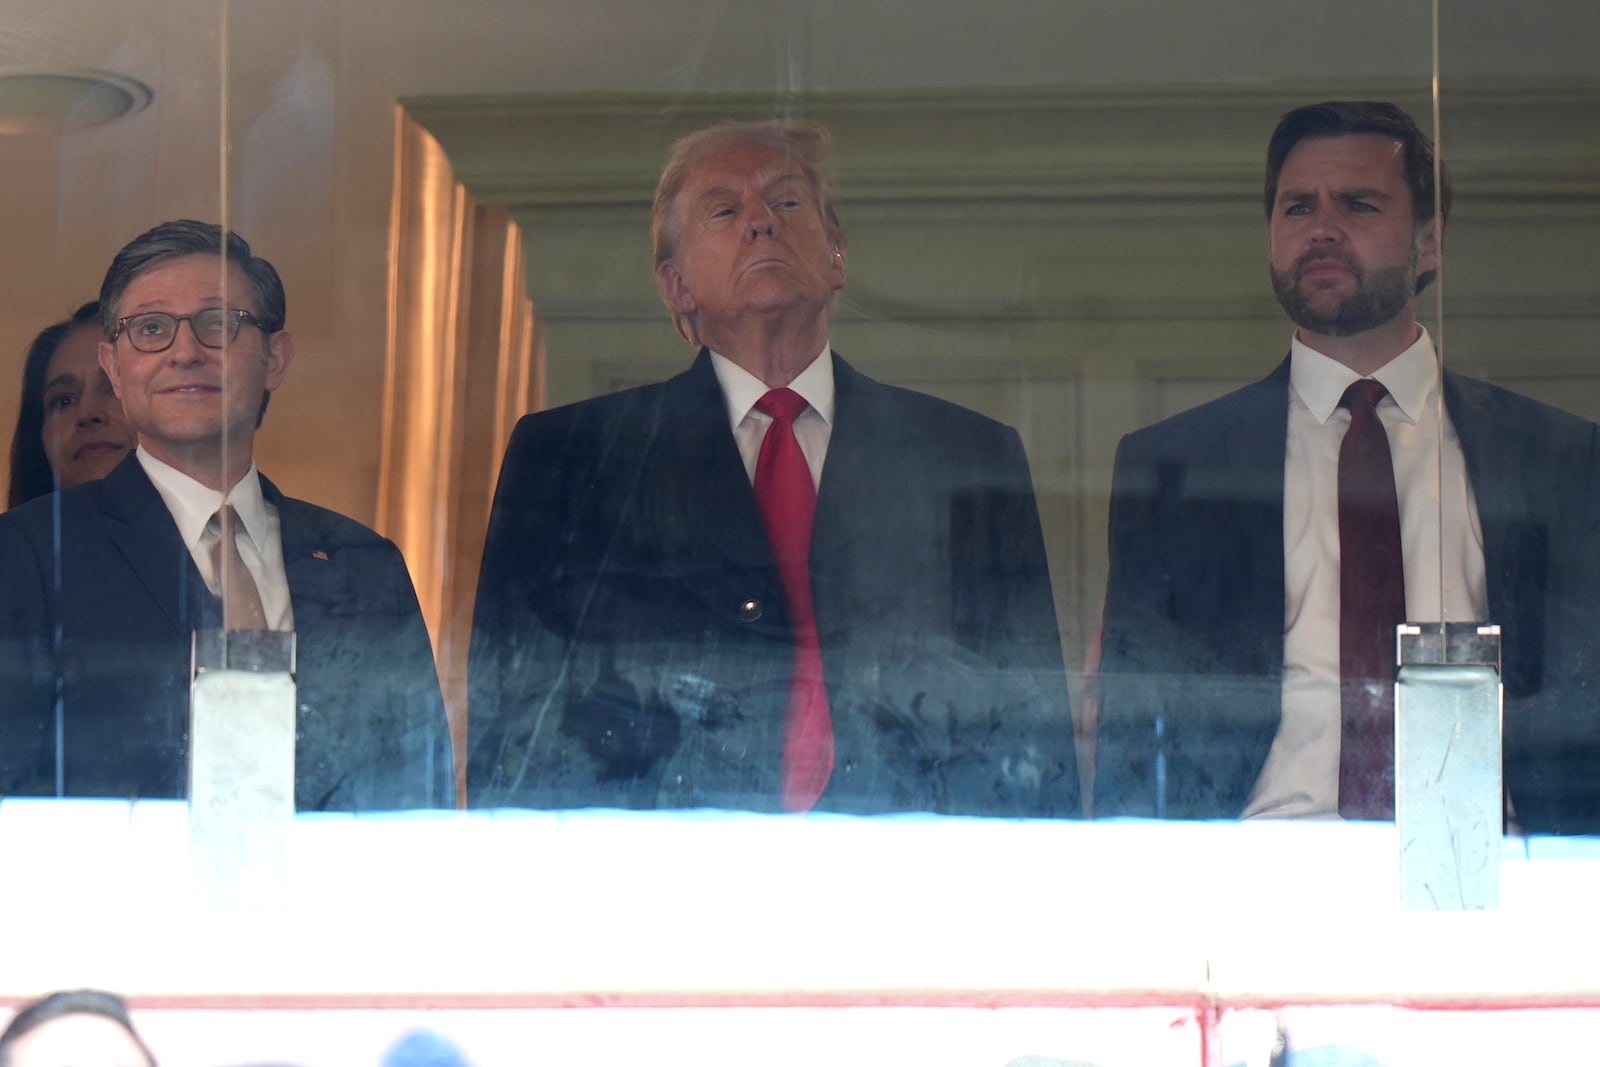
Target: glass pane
1054,221
1520,305
100,143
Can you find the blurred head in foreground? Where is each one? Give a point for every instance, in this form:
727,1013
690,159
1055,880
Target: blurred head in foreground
76,1028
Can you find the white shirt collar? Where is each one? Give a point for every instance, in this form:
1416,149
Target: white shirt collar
1319,381
192,504
741,389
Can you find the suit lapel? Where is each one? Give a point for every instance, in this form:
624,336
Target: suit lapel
142,529
855,521
862,459
695,459
1254,446
1512,544
306,561
693,477
1498,494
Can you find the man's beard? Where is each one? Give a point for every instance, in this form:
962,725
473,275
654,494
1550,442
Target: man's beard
1379,297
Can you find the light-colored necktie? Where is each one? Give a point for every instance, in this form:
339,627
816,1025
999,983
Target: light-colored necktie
241,600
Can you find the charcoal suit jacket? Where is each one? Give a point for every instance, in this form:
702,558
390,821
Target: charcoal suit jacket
632,647
98,598
1192,667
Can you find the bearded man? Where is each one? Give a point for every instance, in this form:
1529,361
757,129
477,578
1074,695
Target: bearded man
1264,545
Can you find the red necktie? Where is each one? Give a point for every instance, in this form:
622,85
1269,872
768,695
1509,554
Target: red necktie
1372,602
788,502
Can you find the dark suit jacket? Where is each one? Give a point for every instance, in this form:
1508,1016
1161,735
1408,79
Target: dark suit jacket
632,648
1194,618
98,604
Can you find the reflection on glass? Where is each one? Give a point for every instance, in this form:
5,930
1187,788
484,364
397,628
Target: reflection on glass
1265,546
1273,662
106,581
1053,215
770,582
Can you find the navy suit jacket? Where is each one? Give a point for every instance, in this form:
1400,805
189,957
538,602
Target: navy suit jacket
1192,665
632,647
97,604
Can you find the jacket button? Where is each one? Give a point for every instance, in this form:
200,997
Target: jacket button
750,611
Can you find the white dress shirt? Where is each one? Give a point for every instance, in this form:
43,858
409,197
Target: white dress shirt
812,427
258,533
1444,569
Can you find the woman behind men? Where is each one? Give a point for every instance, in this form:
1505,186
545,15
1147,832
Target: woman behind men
70,426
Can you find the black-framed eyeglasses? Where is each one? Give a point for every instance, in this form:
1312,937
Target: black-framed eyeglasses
154,331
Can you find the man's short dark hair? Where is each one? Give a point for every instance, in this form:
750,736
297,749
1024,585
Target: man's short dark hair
1343,118
186,237
69,1002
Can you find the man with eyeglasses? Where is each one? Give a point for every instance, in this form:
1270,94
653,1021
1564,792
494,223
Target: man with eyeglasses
104,584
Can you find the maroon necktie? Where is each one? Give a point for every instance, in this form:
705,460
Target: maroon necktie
788,501
1372,602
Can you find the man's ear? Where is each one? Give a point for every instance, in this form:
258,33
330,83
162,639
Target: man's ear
1430,242
108,363
669,279
280,353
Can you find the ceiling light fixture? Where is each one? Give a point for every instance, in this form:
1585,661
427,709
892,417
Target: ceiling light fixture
56,101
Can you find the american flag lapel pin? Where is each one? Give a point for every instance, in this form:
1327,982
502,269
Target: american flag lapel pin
320,554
